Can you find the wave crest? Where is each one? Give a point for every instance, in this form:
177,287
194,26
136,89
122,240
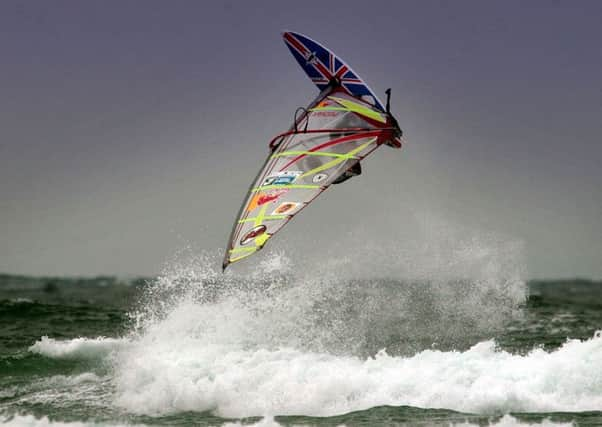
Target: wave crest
242,383
77,348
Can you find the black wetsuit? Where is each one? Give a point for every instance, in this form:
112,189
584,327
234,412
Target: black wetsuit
354,170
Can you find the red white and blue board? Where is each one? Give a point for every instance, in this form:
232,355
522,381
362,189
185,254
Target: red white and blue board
322,66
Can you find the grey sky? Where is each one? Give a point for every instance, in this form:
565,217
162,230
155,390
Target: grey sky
128,128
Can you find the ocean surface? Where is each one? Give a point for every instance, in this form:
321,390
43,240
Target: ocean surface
273,346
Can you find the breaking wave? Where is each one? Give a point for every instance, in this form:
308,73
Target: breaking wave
240,383
328,336
154,375
78,348
334,334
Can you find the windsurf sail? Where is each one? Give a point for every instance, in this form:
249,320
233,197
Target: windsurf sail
324,146
330,137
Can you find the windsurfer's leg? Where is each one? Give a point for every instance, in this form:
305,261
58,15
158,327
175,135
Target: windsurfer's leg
354,170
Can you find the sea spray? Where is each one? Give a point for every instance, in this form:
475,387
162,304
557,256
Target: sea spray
447,290
296,335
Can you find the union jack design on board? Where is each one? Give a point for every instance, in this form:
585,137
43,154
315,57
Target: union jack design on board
321,66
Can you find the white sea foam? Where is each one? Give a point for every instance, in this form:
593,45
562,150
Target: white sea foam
31,421
264,422
161,375
85,389
510,421
291,339
78,348
286,339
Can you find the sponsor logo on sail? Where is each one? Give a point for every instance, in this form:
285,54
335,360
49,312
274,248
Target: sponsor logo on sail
268,196
281,178
252,234
286,208
319,177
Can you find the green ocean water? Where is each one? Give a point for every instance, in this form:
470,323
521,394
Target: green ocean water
210,351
